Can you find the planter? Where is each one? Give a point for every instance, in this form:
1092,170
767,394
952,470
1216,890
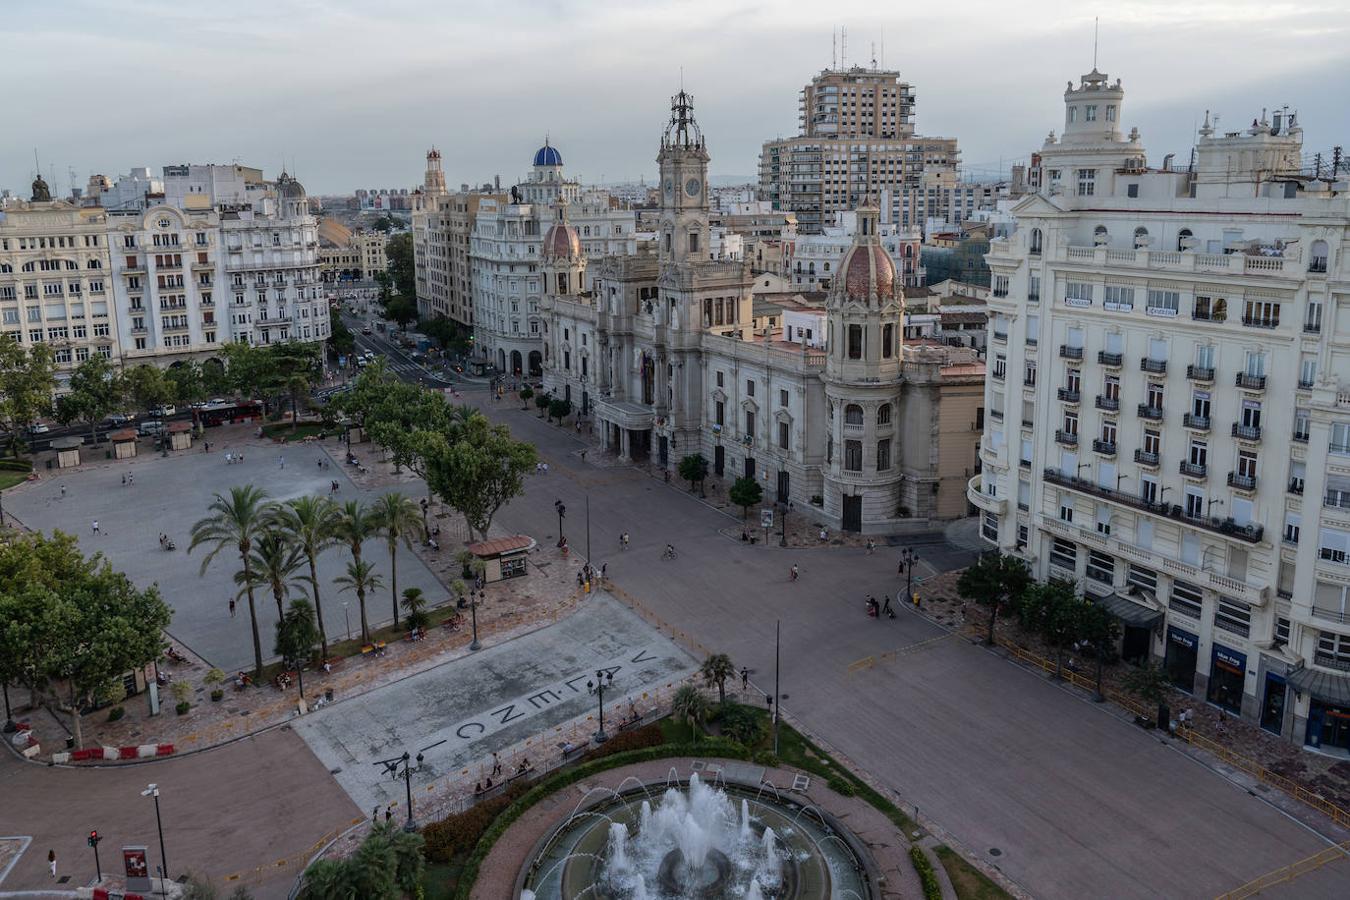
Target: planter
217,695
116,713
183,707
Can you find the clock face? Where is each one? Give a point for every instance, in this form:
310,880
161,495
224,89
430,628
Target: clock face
691,187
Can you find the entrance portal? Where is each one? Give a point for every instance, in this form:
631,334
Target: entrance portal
515,362
852,513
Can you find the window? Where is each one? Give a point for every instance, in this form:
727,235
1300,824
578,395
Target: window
1293,523
884,414
1064,554
719,414
855,342
1119,297
853,456
719,380
1233,616
1087,181
1186,599
1340,438
1000,367
1066,507
1261,313
1307,372
750,424
1101,567
887,340
1029,373
783,435
884,455
749,387
1155,395
1078,293
1090,113
1111,112
853,414
1163,302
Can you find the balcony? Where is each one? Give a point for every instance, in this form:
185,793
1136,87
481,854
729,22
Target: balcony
1251,382
1151,413
1144,458
1261,321
1155,366
1241,482
1195,422
1340,617
1296,486
1304,385
1068,352
1250,533
1001,336
1069,396
1204,315
1110,359
1067,438
1312,327
1300,437
1200,373
1329,660
1246,432
1110,404
1105,448
998,374
1194,470
1334,499
976,495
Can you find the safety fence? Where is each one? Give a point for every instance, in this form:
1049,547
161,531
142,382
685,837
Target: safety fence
1188,734
1289,872
293,863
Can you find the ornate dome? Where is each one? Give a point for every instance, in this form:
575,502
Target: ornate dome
864,265
547,156
561,241
290,188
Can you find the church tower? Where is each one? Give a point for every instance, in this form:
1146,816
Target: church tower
865,312
433,182
684,186
564,270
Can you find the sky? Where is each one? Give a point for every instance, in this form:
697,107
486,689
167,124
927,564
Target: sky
350,94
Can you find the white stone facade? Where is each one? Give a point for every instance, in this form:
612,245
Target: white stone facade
1169,406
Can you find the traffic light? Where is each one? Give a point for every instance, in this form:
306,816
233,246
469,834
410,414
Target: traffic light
94,839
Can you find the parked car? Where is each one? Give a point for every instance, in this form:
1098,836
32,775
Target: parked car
149,427
166,410
365,329
117,420
38,428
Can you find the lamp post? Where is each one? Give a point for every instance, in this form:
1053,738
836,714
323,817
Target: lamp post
603,679
908,558
562,512
153,791
10,727
392,766
346,618
782,537
473,617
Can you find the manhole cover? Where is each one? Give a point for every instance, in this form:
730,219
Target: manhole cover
994,851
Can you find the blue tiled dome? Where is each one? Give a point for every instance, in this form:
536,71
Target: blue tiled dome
547,156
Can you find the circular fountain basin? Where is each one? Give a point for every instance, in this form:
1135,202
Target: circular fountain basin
696,841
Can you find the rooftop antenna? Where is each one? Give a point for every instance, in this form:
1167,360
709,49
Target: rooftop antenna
883,46
1095,23
843,46
834,52
874,56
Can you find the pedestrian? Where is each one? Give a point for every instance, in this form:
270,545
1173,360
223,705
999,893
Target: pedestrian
63,492
281,461
232,610
131,478
124,478
604,567
886,607
51,861
871,545
96,531
623,541
496,764
745,678
388,812
229,457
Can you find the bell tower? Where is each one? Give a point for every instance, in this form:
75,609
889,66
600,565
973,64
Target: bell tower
684,186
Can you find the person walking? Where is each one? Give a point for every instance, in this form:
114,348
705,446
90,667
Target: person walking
124,478
871,546
745,678
96,531
496,764
131,478
63,492
886,607
604,567
51,861
795,573
232,609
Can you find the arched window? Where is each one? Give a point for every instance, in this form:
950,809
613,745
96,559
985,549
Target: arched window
1140,238
853,414
827,267
1036,241
1317,260
884,414
95,264
6,268
811,269
1099,236
909,250
1184,238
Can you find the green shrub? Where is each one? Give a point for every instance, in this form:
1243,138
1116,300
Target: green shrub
116,713
767,758
841,786
183,707
217,695
637,739
459,833
932,888
742,724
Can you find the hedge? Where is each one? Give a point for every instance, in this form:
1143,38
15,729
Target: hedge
15,465
709,747
932,888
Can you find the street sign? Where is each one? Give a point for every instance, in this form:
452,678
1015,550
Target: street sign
766,518
137,867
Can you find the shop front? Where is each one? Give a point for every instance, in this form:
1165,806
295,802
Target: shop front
1180,658
1329,709
1274,697
1227,674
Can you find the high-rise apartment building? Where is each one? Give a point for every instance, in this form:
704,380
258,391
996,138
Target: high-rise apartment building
857,144
1168,405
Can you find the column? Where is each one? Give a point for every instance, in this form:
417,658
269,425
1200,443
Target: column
625,454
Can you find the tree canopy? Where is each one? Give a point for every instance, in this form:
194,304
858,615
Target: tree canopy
402,272
479,470
27,380
745,492
97,390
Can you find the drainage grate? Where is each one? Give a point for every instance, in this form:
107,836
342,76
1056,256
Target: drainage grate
801,783
994,851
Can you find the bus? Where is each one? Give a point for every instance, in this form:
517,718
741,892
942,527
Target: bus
230,413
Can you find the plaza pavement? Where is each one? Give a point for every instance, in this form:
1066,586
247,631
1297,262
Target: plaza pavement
460,712
171,493
1075,802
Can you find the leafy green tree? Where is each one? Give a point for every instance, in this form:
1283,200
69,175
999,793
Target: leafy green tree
401,308
90,625
441,330
745,492
1055,611
1100,630
387,866
355,524
96,392
148,387
525,394
361,580
690,706
560,408
543,400
273,563
415,605
27,380
694,469
716,669
236,522
399,520
340,337
402,270
311,522
189,383
997,581
296,636
1149,683
480,472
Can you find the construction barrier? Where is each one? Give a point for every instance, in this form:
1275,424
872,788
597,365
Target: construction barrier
1289,872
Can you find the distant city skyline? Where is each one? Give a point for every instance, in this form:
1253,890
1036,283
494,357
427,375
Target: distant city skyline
350,95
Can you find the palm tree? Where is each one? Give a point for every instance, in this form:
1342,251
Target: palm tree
415,605
236,521
354,524
310,521
296,637
399,519
716,669
690,705
361,579
273,563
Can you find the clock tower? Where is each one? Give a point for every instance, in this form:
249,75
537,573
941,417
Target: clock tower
684,186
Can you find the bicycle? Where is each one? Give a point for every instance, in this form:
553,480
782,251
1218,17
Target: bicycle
669,553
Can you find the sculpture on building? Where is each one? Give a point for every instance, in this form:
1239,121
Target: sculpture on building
41,192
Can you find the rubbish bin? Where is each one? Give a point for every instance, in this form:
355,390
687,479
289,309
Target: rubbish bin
70,743
328,695
107,454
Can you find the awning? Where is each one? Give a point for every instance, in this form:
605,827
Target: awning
1328,687
1127,611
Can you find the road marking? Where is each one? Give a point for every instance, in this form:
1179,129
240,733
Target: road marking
868,662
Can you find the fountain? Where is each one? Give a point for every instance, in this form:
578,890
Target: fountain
696,842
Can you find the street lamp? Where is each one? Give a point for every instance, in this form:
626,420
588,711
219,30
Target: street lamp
782,537
153,791
908,559
603,679
562,512
347,619
473,613
392,766
10,727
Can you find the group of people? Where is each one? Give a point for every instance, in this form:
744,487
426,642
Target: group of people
876,610
231,457
166,542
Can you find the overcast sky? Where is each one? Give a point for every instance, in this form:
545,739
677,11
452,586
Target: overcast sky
353,93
